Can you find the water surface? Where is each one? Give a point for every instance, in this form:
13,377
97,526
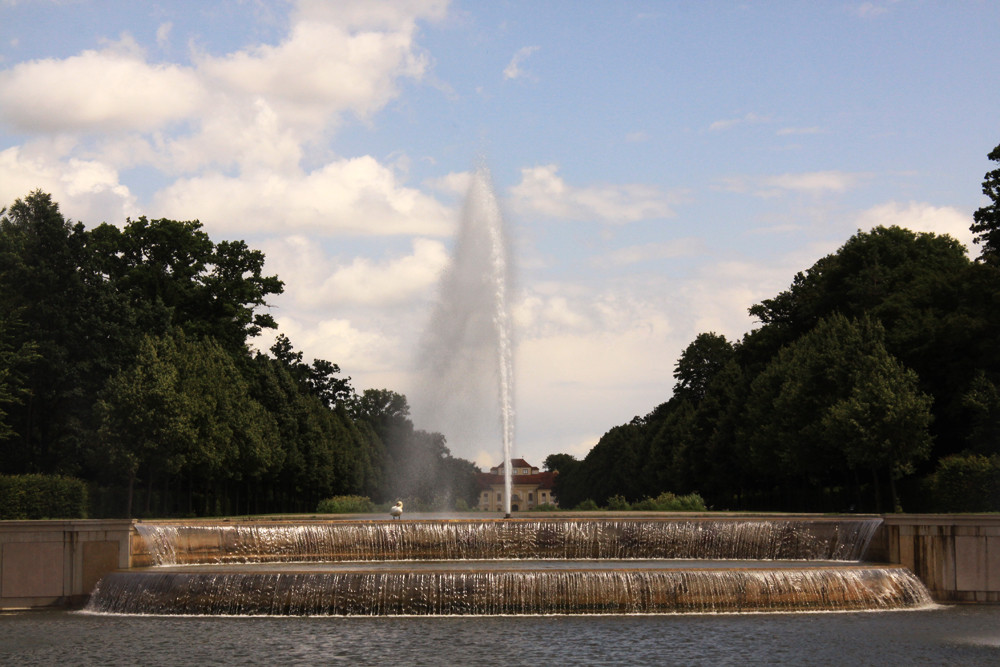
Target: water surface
959,635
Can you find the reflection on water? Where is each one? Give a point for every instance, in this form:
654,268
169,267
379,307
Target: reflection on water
944,636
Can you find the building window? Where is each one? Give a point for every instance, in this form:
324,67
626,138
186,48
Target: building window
499,497
531,497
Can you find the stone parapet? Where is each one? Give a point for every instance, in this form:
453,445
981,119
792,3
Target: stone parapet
57,563
957,556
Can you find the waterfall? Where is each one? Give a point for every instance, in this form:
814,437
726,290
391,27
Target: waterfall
508,566
380,593
552,539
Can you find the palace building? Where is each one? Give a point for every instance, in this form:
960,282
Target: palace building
529,487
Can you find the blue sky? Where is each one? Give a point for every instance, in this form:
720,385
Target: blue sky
662,165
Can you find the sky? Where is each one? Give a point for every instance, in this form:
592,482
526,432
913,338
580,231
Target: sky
661,166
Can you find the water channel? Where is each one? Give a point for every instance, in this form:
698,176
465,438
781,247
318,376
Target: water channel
956,635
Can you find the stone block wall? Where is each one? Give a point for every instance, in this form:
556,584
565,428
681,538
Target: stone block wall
57,563
957,556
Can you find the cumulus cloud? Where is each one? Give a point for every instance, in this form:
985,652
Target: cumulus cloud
543,192
513,69
255,111
395,280
113,89
329,63
351,196
86,190
920,217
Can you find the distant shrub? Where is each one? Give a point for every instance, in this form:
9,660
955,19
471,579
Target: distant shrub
461,505
668,502
544,507
967,483
346,505
587,505
618,503
42,497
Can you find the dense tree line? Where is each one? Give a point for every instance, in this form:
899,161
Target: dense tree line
125,362
867,384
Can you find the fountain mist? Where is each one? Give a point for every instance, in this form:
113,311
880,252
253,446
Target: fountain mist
468,350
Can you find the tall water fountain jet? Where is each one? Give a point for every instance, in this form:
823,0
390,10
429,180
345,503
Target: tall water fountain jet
468,388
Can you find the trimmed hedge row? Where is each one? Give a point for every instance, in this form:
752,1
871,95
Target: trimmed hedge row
42,497
967,483
345,505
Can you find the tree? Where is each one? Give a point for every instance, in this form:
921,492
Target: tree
831,403
319,379
986,225
13,377
144,417
64,317
699,363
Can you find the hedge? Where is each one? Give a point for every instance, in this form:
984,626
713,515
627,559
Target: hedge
346,505
968,483
42,497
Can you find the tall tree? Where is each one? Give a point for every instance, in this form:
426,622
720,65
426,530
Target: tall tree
699,363
986,225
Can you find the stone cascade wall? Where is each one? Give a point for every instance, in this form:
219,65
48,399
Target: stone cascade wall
57,563
956,556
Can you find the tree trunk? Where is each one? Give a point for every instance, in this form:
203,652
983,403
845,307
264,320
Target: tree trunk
892,490
878,492
131,488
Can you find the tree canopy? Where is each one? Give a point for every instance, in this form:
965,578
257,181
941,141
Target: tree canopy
877,363
125,360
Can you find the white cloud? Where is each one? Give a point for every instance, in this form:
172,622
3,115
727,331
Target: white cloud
114,89
357,197
649,252
86,190
396,280
920,217
163,34
323,68
729,123
454,184
543,192
256,108
814,182
513,69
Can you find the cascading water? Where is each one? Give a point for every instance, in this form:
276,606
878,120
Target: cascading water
468,375
492,567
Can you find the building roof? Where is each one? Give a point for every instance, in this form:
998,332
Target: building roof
515,463
544,480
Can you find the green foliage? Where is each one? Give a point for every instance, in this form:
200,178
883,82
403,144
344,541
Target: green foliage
124,360
617,503
42,497
699,364
967,483
586,505
544,507
668,502
346,505
986,225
